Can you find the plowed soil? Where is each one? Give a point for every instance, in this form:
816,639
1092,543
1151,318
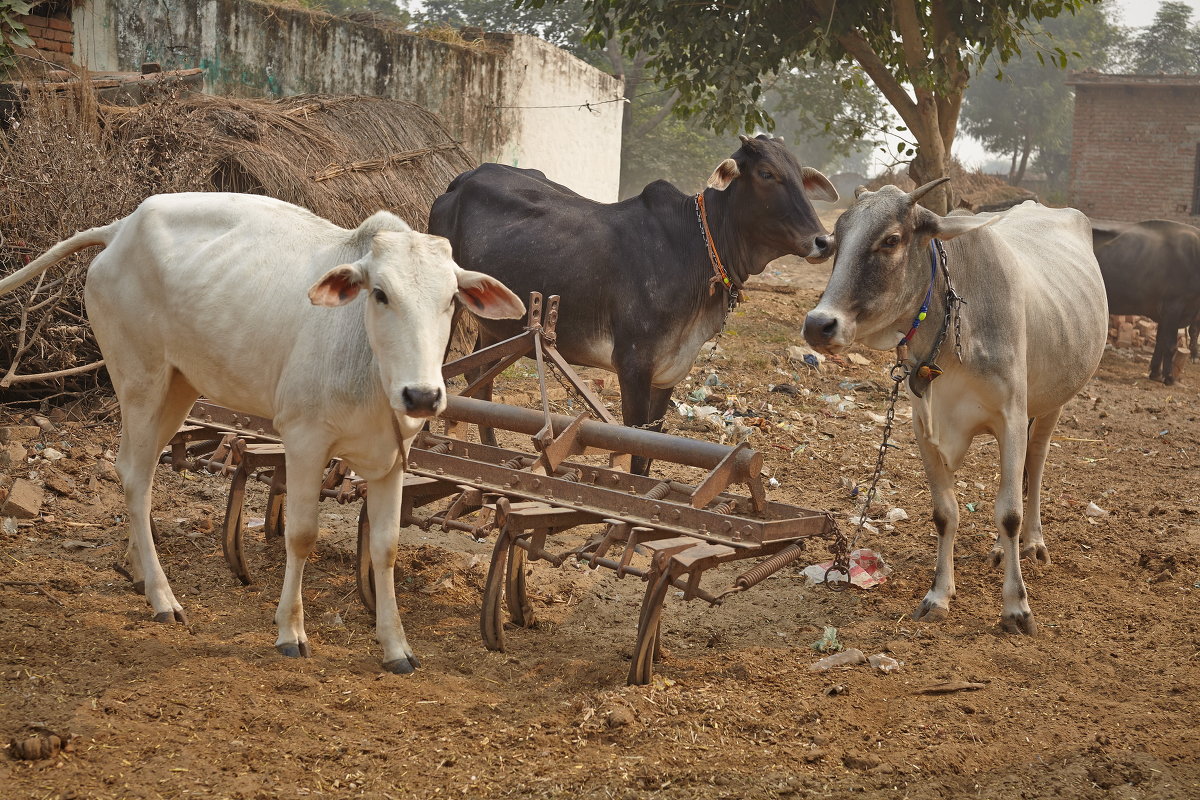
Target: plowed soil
1102,703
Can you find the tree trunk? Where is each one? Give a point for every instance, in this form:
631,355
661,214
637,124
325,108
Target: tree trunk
930,164
1026,147
1012,168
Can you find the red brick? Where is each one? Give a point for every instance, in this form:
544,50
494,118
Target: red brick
24,500
62,24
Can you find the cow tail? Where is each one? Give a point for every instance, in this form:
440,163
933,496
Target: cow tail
89,238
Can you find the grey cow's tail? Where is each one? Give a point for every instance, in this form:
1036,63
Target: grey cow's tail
81,240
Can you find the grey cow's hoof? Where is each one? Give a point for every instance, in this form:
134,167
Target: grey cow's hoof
294,649
402,666
171,616
928,612
995,558
1019,623
1038,553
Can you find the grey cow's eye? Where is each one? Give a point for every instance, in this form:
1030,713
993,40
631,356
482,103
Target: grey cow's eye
892,240
379,296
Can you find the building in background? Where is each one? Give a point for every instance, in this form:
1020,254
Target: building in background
509,98
1135,151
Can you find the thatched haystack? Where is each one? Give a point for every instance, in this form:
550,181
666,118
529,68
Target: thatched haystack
69,162
974,190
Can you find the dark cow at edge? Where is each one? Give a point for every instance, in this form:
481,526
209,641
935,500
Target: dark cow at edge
634,278
1152,268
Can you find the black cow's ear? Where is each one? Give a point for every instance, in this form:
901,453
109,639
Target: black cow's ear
817,185
723,175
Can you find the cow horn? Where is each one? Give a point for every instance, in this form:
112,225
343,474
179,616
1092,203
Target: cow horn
780,140
743,137
921,191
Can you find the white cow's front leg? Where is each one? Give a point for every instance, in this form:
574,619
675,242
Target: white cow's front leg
936,604
305,467
383,506
1015,616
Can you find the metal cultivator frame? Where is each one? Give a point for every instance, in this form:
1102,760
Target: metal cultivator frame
526,498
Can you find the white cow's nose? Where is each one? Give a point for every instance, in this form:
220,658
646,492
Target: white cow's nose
421,401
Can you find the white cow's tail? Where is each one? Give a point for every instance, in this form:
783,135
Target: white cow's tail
81,240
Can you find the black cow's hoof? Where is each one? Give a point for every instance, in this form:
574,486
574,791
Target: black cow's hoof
1168,381
171,616
1019,623
294,649
402,666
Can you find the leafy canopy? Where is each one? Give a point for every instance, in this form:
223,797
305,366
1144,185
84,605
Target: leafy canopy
1170,44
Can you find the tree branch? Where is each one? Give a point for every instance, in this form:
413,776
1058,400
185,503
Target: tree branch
9,380
650,125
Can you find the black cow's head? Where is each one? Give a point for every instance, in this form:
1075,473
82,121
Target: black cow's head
770,198
882,268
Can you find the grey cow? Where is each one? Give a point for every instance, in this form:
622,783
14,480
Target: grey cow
1032,333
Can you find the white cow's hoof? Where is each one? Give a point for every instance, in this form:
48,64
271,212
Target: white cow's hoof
1019,623
294,649
402,666
171,616
930,612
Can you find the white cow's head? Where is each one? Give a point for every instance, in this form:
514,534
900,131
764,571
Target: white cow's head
412,281
881,268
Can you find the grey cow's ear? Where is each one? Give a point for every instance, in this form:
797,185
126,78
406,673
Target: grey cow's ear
338,286
723,175
817,185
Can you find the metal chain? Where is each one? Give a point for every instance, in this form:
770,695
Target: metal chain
841,551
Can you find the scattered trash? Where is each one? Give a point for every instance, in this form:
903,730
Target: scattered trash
884,663
846,658
1094,510
712,380
833,691
867,570
806,356
971,507
786,388
855,358
698,395
828,643
774,484
333,619
255,522
895,515
50,454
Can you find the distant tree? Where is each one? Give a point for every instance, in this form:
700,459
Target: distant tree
1026,107
1170,44
562,26
919,53
346,8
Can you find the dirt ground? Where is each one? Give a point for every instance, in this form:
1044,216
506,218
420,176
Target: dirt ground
1102,703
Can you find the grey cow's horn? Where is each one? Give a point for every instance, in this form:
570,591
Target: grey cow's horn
921,191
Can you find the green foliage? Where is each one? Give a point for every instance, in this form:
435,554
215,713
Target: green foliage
386,9
1026,108
563,25
1170,44
12,32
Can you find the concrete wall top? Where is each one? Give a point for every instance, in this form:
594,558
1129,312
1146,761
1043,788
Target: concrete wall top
485,95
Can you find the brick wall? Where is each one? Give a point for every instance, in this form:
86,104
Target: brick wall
52,37
1134,151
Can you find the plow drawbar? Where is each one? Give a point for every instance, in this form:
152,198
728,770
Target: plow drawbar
527,497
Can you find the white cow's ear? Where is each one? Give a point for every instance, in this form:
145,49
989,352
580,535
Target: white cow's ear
817,185
338,286
488,297
723,175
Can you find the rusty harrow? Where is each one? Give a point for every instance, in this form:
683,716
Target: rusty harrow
525,498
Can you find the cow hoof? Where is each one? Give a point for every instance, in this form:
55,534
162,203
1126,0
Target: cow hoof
1019,623
171,616
928,612
138,586
995,558
1168,381
294,649
402,666
1038,553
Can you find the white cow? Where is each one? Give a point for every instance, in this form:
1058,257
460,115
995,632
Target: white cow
1032,333
213,294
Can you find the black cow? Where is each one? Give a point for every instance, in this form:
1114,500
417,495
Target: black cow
1152,268
640,290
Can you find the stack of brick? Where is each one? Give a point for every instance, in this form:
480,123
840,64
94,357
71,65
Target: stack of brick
52,38
1126,331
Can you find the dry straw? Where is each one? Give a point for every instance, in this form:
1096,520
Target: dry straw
69,161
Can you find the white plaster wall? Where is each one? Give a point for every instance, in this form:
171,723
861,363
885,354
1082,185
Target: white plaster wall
492,100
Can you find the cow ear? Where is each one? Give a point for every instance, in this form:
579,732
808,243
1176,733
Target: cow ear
817,185
487,297
952,226
338,286
723,175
